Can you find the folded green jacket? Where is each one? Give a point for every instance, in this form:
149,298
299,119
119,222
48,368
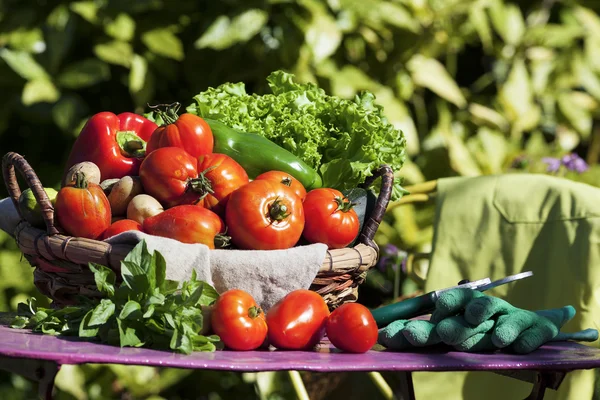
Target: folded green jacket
494,226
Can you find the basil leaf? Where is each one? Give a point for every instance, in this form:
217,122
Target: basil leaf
102,312
127,335
131,310
19,322
85,330
104,277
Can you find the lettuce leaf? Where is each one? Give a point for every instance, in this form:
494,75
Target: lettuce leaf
345,140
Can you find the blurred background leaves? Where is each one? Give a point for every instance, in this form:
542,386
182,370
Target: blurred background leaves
478,87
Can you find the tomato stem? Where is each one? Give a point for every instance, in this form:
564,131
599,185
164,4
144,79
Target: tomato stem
222,241
202,184
80,180
278,211
344,205
170,113
287,181
254,311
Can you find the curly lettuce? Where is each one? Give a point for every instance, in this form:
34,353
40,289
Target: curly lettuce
345,140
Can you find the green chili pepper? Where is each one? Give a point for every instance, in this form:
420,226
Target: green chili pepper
257,154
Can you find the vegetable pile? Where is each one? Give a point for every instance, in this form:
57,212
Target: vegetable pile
345,140
240,171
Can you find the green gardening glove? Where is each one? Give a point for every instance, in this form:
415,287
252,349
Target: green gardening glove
490,323
406,334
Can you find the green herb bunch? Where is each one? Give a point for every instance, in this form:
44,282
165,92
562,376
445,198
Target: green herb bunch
145,310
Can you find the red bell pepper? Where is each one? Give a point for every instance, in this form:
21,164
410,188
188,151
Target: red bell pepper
115,143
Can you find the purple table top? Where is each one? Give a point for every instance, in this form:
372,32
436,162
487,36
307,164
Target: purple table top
559,356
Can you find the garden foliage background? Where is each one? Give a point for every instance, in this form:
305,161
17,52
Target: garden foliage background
477,86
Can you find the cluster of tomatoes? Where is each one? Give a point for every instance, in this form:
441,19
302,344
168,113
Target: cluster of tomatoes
182,190
297,322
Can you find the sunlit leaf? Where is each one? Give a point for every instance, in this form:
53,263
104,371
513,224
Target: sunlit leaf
137,75
23,64
507,20
84,73
579,118
592,55
225,32
516,94
29,40
479,19
38,91
58,35
589,19
121,28
432,74
490,148
163,42
68,111
554,35
88,10
115,52
322,34
397,15
486,115
586,77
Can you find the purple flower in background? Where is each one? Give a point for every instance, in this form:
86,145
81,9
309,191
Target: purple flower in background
571,162
391,256
553,164
574,163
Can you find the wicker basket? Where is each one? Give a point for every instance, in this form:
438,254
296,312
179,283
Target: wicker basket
61,261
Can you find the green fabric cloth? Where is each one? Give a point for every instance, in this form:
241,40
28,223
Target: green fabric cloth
494,226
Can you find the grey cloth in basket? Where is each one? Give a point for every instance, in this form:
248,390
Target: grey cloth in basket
267,276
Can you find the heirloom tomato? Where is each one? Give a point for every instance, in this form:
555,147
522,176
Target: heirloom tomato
219,176
238,320
166,174
82,209
285,179
264,215
187,131
188,224
115,143
352,328
120,226
330,218
297,322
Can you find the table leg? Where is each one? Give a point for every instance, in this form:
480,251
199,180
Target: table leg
541,380
405,389
41,371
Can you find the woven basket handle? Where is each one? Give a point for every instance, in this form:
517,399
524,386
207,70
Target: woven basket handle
12,161
372,223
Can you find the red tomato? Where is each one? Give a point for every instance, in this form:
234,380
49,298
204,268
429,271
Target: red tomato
285,179
222,175
187,131
165,174
352,328
264,215
297,322
238,321
122,225
83,209
187,223
330,218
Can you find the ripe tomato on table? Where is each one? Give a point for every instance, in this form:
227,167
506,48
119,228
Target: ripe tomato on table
285,179
188,224
352,328
219,176
166,174
187,131
264,215
121,226
297,322
82,209
238,320
330,218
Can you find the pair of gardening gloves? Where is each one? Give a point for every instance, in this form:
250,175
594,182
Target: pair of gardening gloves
471,321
